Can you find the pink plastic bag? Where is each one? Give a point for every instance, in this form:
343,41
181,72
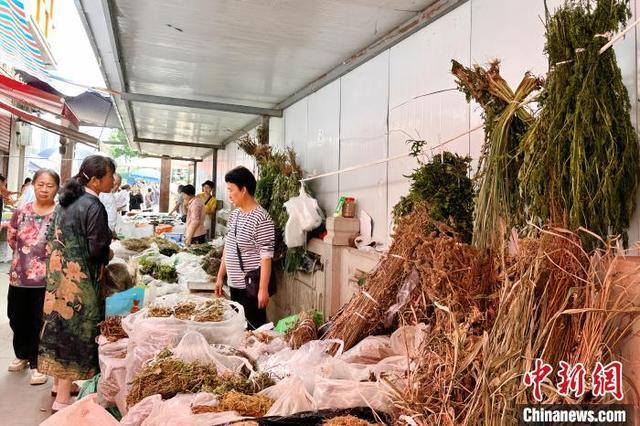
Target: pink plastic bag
139,412
84,412
112,383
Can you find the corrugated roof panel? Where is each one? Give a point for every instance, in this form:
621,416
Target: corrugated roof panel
256,52
186,124
175,151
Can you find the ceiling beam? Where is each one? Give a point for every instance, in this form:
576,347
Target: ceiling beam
236,135
434,11
177,143
195,160
208,105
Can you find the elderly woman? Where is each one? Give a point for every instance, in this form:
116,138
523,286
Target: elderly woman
27,282
248,248
78,243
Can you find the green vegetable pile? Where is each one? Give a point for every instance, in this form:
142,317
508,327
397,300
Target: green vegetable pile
278,181
159,271
444,183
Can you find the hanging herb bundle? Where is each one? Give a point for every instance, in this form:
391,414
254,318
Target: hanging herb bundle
443,183
278,181
581,158
506,120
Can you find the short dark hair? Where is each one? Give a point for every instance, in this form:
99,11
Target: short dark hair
180,188
49,172
28,180
242,178
2,178
209,183
125,187
189,190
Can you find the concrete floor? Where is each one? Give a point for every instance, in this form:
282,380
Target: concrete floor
20,403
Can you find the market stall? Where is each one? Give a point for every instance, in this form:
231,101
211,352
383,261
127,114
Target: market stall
477,292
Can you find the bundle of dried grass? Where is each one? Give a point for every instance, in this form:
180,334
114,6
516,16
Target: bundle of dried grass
429,269
554,303
168,376
111,328
347,421
245,405
304,331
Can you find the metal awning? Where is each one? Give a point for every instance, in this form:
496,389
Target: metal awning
36,98
49,125
199,72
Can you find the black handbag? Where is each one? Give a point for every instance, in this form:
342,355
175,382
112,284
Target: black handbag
252,278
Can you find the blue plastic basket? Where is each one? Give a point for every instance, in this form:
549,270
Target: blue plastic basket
178,238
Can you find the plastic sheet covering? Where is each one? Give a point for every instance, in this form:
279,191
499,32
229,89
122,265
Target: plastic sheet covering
86,411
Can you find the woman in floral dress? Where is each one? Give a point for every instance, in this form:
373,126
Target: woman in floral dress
26,235
78,243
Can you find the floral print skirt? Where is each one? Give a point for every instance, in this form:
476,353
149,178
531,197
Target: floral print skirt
72,311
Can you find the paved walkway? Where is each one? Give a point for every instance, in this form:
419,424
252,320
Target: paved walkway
20,403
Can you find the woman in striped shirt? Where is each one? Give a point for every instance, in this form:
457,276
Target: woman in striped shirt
249,245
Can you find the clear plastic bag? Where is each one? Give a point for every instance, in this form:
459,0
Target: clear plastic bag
290,397
257,349
119,251
194,348
305,210
293,232
177,412
338,394
370,350
407,339
402,298
306,362
149,335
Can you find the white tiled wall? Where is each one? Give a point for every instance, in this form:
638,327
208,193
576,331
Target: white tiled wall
407,93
